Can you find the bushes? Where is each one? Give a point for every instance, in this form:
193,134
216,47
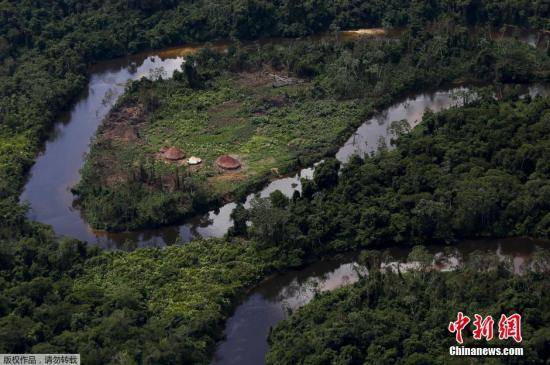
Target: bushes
402,318
45,49
167,306
473,171
213,108
150,306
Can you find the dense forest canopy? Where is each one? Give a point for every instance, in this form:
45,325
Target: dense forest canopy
126,308
46,46
390,318
475,171
169,305
120,26
152,306
209,110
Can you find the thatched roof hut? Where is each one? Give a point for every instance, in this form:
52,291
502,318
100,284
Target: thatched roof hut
227,162
173,154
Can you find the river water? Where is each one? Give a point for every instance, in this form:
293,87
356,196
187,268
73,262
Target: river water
247,330
57,169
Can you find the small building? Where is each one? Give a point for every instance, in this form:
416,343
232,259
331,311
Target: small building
194,160
227,162
173,154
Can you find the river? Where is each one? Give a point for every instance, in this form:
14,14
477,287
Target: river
247,330
57,168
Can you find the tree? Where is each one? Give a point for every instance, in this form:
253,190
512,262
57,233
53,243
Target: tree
269,223
278,199
326,173
239,215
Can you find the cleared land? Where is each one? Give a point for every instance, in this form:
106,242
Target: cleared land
267,120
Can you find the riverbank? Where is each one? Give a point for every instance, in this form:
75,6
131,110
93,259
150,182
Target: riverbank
404,316
270,129
137,298
152,305
281,296
217,222
48,188
242,115
485,186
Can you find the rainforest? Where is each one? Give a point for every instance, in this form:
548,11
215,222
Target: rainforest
287,182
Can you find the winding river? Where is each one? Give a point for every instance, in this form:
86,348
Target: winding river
247,330
57,169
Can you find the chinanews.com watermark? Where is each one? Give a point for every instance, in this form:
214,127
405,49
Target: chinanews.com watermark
485,351
509,327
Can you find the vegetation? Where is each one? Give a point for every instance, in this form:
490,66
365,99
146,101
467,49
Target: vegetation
46,48
391,318
156,306
475,171
228,104
152,306
127,184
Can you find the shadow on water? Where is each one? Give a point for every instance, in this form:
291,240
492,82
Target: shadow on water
57,169
247,330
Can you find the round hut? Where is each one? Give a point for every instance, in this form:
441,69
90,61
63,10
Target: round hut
227,162
173,154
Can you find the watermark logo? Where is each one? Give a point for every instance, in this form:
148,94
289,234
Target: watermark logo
509,327
457,326
39,359
483,327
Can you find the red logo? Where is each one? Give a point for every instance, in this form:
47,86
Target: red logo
457,326
483,327
508,327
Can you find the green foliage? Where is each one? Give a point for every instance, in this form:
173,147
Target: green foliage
395,318
226,103
167,305
150,306
269,221
473,171
239,215
326,174
46,47
124,183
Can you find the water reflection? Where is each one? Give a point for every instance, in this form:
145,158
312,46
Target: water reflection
370,134
247,330
57,169
217,222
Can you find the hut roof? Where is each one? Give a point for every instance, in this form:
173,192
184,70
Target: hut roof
173,154
227,162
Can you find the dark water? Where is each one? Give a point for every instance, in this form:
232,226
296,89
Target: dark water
57,169
247,330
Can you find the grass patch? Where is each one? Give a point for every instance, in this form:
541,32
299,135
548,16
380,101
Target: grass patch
240,114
